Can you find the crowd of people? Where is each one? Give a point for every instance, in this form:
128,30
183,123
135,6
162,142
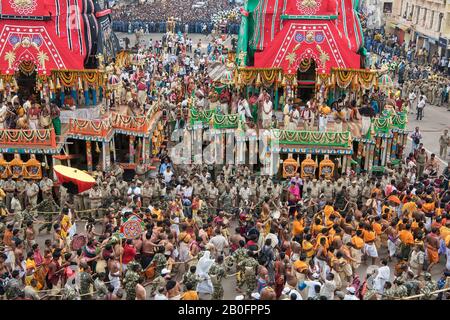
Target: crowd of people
417,71
29,114
152,18
215,232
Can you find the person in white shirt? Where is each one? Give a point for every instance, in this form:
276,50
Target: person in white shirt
286,112
328,287
411,98
383,275
323,122
245,192
311,285
420,107
267,109
134,190
219,241
160,295
294,118
168,175
350,295
308,117
244,109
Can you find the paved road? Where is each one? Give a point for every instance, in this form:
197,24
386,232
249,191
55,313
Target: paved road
435,121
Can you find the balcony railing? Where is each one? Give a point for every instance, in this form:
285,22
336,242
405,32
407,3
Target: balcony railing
20,137
137,124
97,128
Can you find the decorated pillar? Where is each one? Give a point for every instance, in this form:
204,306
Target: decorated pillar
106,156
388,148
89,155
132,150
113,147
53,166
344,163
367,155
74,94
138,151
86,97
383,150
63,96
94,96
276,98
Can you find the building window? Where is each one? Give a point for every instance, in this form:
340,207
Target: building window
430,26
424,18
417,16
439,26
411,14
405,15
387,7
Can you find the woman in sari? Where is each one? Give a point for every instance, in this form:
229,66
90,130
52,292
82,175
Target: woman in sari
293,197
56,121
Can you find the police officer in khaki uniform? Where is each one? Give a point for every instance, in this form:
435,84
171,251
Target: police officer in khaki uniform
366,192
123,187
95,199
147,194
328,191
20,188
354,192
338,185
316,190
46,186
32,191
86,202
9,187
79,203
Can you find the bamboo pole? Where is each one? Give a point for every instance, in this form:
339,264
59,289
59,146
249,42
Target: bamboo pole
120,257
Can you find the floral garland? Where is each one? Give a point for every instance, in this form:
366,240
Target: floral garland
399,120
343,78
336,139
70,78
382,124
203,116
27,67
229,121
89,127
122,121
304,65
39,137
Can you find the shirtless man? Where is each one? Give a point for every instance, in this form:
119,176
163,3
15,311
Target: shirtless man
432,243
392,241
114,273
140,290
30,235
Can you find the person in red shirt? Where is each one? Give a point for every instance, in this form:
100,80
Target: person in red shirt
129,252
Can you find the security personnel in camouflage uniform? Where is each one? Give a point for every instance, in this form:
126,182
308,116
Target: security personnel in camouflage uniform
159,260
217,273
238,256
191,277
47,207
85,282
131,279
389,291
428,287
250,266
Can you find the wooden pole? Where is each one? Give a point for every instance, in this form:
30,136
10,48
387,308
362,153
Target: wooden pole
120,257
